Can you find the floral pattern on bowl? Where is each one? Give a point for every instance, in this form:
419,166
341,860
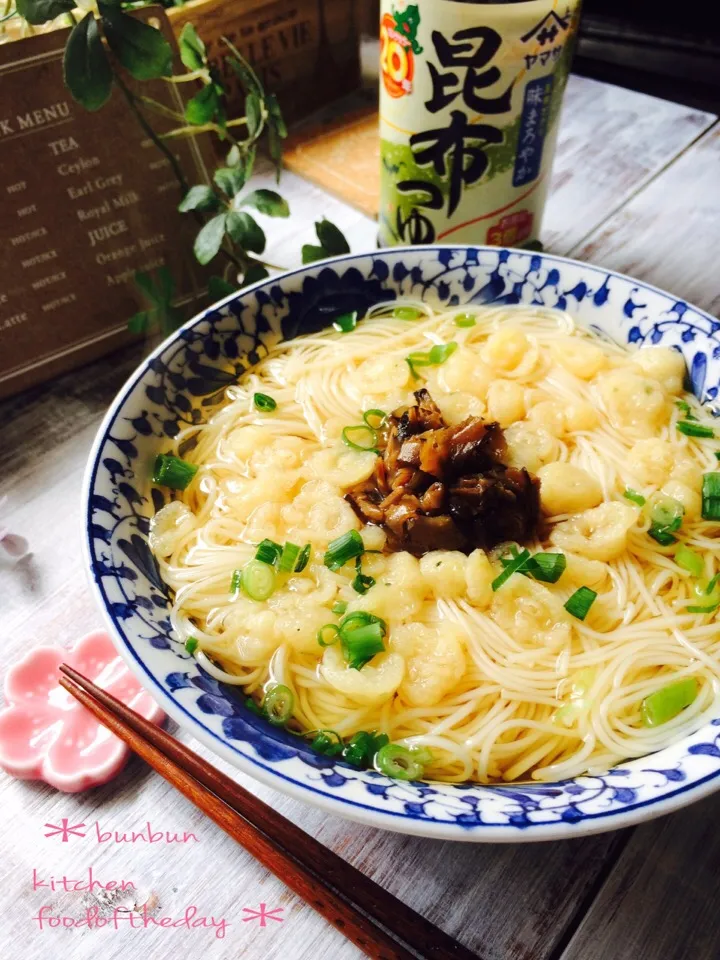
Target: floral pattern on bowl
189,372
45,734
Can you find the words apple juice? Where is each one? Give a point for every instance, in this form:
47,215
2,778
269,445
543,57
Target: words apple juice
470,97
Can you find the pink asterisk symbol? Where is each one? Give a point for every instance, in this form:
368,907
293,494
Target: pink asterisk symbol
65,830
263,914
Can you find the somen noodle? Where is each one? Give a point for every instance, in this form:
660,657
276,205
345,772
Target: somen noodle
617,657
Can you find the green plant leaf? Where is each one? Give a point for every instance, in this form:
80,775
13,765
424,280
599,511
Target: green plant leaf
218,288
146,285
332,239
253,114
165,284
209,240
200,197
203,106
234,156
140,48
230,179
245,231
241,67
87,72
267,202
139,322
275,117
40,11
254,273
192,49
312,253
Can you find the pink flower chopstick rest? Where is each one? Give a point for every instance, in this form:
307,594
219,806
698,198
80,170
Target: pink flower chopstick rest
45,734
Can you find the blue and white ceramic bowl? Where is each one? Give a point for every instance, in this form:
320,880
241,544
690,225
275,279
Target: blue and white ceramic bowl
189,371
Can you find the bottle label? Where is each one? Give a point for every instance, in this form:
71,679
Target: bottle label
469,104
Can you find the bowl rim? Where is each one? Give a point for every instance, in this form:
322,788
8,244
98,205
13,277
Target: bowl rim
263,771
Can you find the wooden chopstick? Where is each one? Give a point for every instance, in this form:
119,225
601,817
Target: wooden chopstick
349,900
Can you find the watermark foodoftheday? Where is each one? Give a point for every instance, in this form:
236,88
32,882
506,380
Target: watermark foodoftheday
121,918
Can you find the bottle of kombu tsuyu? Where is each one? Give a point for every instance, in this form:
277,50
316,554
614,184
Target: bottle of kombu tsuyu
470,96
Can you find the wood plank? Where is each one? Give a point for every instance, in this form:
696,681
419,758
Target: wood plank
612,142
668,233
660,900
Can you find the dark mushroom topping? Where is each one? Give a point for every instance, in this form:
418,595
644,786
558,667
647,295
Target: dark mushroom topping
437,487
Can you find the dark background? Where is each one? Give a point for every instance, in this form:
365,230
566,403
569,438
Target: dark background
670,50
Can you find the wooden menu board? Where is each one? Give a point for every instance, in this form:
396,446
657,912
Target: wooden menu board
86,199
305,51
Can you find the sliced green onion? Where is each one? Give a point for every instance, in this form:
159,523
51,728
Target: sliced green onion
362,747
362,583
711,496
546,567
441,351
704,593
344,548
717,454
465,320
400,763
173,472
407,313
361,637
361,437
288,558
378,415
264,403
580,602
684,409
634,497
339,607
324,743
360,618
689,560
667,512
258,580
253,707
328,635
346,322
302,560
513,566
278,704
268,551
661,536
191,644
666,518
710,608
236,581
692,429
418,359
436,355
361,644
668,702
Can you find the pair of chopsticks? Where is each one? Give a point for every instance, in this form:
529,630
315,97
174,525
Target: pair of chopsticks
382,926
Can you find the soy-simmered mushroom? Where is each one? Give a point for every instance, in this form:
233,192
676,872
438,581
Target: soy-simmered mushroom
446,488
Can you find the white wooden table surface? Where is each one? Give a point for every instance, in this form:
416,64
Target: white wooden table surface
636,188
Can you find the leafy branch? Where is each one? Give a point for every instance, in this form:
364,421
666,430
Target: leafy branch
104,45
